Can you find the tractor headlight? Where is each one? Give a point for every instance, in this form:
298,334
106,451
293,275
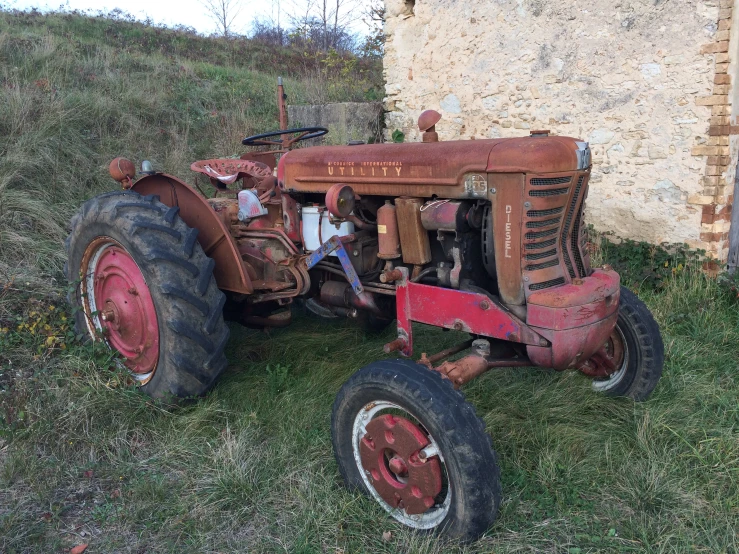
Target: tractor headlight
583,155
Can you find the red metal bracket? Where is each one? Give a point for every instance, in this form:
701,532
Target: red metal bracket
454,309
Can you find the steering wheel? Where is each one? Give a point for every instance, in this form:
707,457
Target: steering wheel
304,133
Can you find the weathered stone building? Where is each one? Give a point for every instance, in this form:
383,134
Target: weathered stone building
650,84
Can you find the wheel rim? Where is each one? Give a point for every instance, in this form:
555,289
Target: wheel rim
401,465
618,354
118,305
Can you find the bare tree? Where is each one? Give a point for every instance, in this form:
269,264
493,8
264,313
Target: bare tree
324,23
374,18
224,13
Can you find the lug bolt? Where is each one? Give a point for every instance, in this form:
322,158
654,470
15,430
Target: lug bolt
458,326
107,315
485,305
133,292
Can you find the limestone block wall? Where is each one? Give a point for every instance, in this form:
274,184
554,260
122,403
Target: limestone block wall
648,84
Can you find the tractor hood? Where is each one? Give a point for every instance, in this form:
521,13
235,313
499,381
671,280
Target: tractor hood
426,169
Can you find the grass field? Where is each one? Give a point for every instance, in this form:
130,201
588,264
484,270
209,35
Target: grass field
86,458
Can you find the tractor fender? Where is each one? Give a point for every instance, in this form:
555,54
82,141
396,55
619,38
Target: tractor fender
213,236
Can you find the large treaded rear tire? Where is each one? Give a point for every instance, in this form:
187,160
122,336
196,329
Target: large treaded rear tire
470,461
188,303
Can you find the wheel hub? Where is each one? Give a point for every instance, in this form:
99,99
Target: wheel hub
606,361
126,313
389,452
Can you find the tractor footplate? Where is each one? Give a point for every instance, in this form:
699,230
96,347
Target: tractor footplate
390,455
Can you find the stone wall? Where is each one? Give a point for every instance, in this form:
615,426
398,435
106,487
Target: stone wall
646,83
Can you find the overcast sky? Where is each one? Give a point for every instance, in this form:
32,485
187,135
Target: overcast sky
168,12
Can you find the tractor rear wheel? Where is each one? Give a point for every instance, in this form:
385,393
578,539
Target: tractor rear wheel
403,435
144,285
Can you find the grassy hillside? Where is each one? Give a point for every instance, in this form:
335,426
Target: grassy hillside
86,458
76,91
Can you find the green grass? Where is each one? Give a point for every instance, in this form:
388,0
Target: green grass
75,92
250,467
86,458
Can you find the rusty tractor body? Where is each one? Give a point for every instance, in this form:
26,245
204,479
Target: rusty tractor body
484,237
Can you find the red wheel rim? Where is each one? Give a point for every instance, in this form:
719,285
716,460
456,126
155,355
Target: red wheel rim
390,454
120,305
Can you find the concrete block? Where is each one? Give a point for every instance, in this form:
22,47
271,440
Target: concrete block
346,121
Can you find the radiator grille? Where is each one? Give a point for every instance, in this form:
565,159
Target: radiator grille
552,254
543,182
576,232
568,225
548,284
537,245
549,192
545,223
543,265
541,255
542,213
541,234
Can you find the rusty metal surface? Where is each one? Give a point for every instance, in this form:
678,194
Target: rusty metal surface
422,169
463,370
444,215
506,196
607,360
533,154
417,169
274,257
601,283
390,454
414,240
455,309
230,272
340,200
228,170
123,171
553,253
428,119
428,360
388,236
576,331
570,347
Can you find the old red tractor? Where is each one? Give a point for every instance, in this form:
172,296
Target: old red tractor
483,237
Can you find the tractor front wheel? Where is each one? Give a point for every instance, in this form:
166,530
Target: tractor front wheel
144,286
630,363
403,435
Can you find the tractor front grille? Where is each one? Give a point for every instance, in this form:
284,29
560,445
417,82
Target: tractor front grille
553,253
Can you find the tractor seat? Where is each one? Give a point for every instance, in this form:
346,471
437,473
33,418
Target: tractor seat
228,170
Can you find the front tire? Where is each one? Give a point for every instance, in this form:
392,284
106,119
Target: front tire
145,286
403,435
641,353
